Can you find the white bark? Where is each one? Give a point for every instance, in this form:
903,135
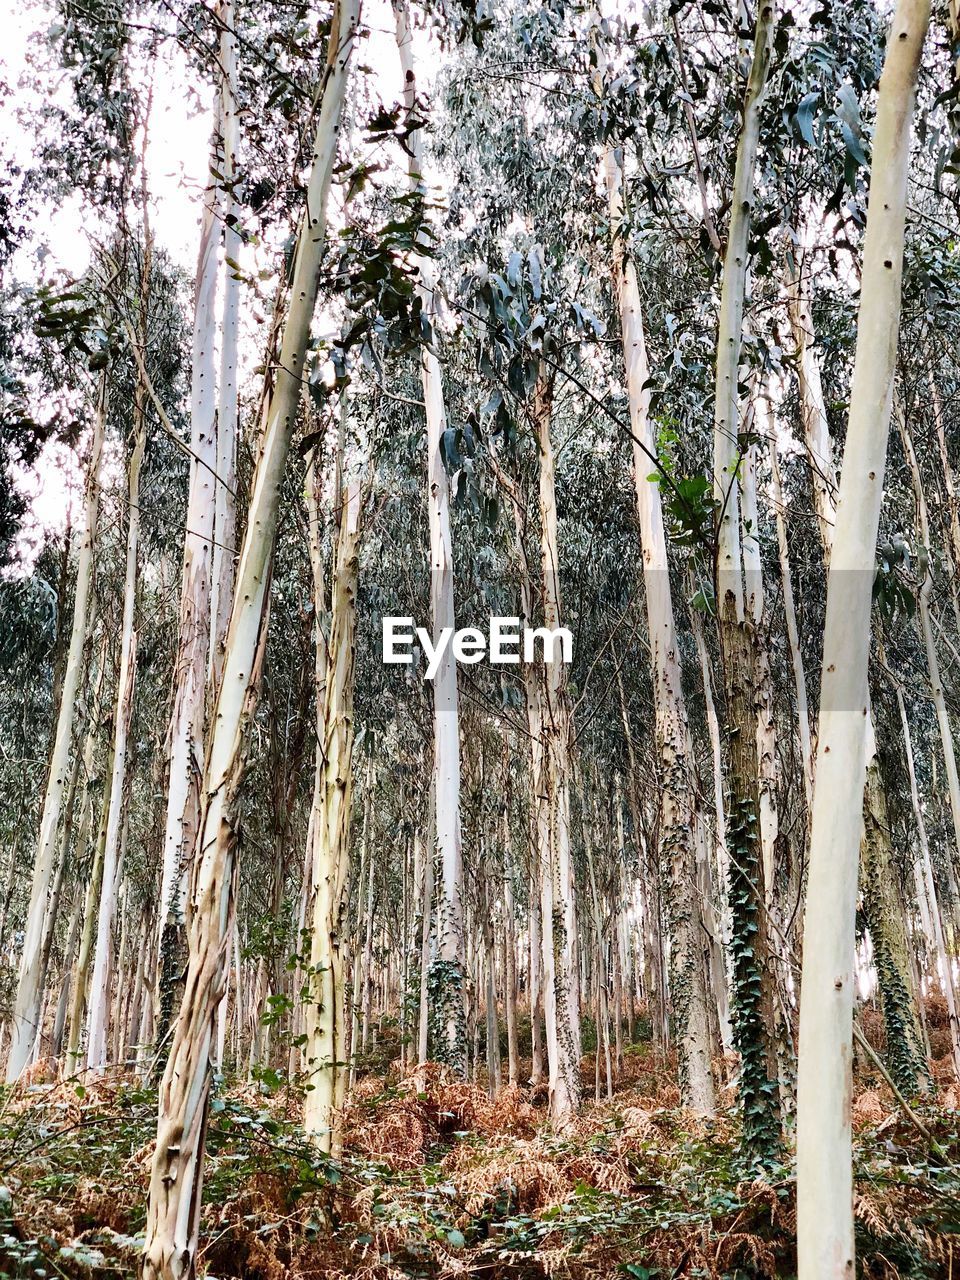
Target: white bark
790,614
929,642
825,1242
325,1049
680,816
446,712
726,447
175,1180
816,429
225,508
185,738
99,1007
26,1011
558,915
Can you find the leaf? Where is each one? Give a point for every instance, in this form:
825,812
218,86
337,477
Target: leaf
456,1238
849,109
852,143
804,117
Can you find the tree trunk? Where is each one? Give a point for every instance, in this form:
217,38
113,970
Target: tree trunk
927,896
324,1051
825,1244
679,795
176,1173
557,895
123,713
185,735
26,1010
448,980
751,972
223,569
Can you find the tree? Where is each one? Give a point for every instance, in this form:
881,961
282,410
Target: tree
824,1153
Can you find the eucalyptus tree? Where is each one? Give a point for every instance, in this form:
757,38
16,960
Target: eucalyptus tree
199,642
325,1050
99,1005
824,1155
176,1174
27,1006
681,822
447,980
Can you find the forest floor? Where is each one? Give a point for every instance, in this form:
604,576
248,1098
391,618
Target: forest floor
441,1181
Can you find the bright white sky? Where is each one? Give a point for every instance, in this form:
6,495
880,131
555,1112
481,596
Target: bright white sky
177,151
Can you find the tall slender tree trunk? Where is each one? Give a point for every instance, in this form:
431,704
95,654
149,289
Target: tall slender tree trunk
825,1243
751,971
793,631
176,1172
185,736
448,980
123,713
26,1010
223,570
558,918
882,913
78,1005
679,797
325,1049
929,642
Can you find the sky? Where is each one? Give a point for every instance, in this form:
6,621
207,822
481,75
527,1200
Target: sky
176,159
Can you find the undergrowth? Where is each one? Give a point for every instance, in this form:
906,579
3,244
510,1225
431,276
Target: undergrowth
438,1180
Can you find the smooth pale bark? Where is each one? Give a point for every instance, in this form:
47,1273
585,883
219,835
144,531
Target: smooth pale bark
25,1019
884,918
185,735
816,429
741,651
60,1018
825,1242
426,907
715,906
56,891
78,1006
602,1004
558,917
726,443
176,1172
325,1048
99,1010
790,616
446,712
225,500
679,796
756,607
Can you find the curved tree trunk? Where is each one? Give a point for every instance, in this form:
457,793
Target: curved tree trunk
176,1172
